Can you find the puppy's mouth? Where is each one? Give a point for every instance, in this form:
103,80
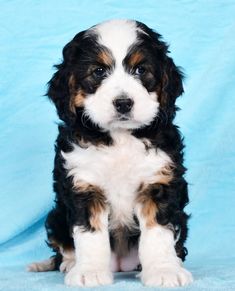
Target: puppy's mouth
123,117
125,121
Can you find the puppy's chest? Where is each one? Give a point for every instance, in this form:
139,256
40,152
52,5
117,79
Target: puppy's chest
118,169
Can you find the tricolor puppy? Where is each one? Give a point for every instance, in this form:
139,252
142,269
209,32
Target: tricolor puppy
119,174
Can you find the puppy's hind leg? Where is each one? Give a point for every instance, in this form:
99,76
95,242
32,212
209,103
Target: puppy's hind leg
45,265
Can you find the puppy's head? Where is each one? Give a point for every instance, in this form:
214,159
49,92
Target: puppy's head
116,75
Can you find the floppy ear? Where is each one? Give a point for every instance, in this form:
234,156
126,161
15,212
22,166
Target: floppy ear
61,87
171,87
59,92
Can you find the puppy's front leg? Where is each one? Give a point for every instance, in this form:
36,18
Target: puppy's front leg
92,251
160,264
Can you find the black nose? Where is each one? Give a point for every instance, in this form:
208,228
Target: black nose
123,105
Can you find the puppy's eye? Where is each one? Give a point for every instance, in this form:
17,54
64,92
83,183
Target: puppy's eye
139,71
99,72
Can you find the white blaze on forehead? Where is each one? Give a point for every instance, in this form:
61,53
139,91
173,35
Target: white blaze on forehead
118,36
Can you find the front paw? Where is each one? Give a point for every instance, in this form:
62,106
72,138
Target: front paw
166,276
88,278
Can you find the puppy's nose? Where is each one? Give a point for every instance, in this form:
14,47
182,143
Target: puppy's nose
123,105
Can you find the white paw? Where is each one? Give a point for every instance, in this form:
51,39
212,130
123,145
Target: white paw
76,277
166,276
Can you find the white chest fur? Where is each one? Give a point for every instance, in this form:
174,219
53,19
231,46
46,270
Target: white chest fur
118,170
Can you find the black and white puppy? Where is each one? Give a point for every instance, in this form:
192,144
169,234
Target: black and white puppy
119,174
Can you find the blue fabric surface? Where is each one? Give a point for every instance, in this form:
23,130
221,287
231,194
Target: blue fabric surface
201,35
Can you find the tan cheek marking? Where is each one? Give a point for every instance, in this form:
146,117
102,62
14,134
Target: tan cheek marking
76,96
79,99
97,203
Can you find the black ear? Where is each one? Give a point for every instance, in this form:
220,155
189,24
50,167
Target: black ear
72,50
61,86
59,92
171,87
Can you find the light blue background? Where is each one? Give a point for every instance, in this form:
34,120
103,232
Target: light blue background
201,35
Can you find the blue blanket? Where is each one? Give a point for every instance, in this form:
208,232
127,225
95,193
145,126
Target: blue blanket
202,40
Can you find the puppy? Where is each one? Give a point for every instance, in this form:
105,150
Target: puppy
118,172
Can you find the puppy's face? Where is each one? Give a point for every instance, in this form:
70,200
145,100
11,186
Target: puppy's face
116,75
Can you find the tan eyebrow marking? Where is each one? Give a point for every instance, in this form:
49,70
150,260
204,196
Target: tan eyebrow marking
104,57
135,59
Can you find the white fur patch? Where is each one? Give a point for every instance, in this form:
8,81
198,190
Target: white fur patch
160,264
92,254
118,170
117,35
